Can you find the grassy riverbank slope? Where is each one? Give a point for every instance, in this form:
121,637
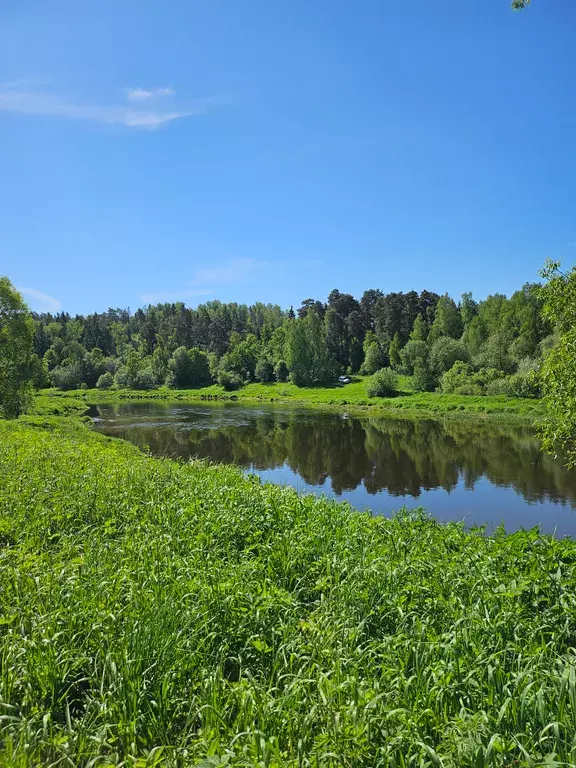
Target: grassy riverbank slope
158,613
351,396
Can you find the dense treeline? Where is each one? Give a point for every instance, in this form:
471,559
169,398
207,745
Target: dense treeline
493,346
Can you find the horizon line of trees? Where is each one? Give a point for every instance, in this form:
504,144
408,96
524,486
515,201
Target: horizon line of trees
467,347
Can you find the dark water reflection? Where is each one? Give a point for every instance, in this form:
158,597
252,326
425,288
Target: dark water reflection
478,471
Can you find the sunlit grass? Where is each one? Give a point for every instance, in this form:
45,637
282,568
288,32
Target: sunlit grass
157,613
352,395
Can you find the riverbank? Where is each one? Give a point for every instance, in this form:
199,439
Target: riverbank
153,612
351,397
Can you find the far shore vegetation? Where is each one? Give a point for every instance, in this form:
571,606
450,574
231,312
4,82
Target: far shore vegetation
352,398
493,347
409,352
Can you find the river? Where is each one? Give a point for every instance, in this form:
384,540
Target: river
482,472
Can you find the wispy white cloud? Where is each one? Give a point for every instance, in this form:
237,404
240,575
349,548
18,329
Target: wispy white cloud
230,272
171,296
41,103
146,94
42,301
572,244
208,278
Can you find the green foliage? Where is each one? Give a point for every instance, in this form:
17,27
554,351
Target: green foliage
184,608
343,334
229,380
444,353
161,363
119,334
17,367
336,335
200,369
475,335
559,370
408,400
67,377
394,352
468,308
121,378
188,368
374,359
94,365
40,376
459,380
277,343
281,371
298,353
213,364
134,362
462,379
356,355
307,355
242,357
384,383
396,313
420,329
495,353
137,373
414,352
106,381
517,385
423,379
144,378
264,370
447,320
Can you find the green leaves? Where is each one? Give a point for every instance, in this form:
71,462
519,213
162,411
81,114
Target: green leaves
559,371
16,352
161,614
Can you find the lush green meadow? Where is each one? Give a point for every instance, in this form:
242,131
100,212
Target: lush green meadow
158,613
350,396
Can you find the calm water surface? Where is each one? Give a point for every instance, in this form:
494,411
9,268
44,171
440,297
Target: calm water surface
480,472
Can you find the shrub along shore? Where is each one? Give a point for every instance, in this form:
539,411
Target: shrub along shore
156,613
349,397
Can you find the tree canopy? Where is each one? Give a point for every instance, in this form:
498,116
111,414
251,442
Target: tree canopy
417,334
16,351
559,370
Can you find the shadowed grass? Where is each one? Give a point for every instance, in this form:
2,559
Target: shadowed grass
154,613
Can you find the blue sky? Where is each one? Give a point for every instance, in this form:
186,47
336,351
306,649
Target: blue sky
247,150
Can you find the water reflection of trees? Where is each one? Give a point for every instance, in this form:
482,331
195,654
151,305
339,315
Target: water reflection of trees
399,455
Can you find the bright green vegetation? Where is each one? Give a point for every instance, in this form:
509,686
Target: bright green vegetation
146,604
352,396
491,347
559,372
16,352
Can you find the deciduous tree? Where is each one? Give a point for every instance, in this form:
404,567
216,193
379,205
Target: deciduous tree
17,335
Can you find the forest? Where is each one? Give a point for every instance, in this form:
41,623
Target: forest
493,346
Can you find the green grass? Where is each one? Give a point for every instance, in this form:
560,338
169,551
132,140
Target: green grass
155,613
351,396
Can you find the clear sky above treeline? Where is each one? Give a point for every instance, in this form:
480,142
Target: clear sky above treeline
250,150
